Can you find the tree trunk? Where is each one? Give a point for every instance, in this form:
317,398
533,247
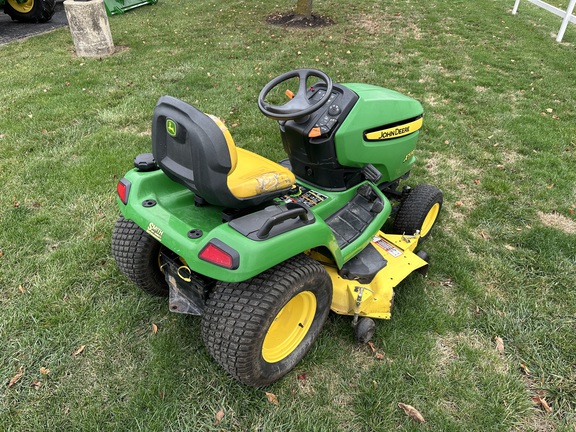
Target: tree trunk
304,8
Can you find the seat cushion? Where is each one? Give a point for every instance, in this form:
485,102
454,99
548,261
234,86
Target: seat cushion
255,175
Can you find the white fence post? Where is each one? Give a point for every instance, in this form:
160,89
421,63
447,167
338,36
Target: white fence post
567,16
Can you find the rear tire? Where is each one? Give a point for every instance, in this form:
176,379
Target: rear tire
31,11
259,329
137,254
419,211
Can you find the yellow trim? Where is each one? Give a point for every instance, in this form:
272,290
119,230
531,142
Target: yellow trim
255,175
22,8
251,174
289,327
430,219
375,299
396,131
229,140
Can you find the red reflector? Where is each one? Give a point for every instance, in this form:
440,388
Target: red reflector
217,252
123,189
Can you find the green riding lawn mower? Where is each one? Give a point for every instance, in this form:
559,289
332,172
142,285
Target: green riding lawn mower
41,11
262,251
33,11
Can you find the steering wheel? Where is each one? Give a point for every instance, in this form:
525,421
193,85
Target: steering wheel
299,105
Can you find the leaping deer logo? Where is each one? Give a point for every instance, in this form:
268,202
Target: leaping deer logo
171,127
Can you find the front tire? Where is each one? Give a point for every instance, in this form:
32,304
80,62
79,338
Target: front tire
419,211
31,11
137,254
259,329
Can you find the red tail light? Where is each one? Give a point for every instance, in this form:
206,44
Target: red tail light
220,254
123,189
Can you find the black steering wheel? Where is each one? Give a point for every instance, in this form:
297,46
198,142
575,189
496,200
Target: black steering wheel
299,105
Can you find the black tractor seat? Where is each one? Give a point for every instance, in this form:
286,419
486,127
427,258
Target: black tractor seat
197,151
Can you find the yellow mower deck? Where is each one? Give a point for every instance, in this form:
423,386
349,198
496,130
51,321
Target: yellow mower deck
374,300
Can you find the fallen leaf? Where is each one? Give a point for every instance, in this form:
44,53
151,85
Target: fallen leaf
302,377
484,235
525,369
476,311
44,371
16,377
458,203
499,345
36,384
549,110
477,181
21,289
79,351
154,328
412,412
509,247
219,416
1,254
550,186
372,347
272,398
542,402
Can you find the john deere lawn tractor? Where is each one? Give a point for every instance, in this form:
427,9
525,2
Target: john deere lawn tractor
262,251
32,11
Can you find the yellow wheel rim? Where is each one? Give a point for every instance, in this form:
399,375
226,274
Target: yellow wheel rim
289,327
430,219
22,7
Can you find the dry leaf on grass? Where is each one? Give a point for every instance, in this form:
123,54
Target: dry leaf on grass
79,351
542,402
154,328
36,384
219,416
16,377
272,398
412,412
499,345
525,369
44,371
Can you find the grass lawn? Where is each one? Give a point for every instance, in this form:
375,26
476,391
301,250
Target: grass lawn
484,343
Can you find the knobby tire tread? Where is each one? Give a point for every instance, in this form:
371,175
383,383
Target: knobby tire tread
237,316
136,254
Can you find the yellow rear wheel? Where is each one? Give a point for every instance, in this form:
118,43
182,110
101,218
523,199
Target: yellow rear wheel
23,8
289,327
259,329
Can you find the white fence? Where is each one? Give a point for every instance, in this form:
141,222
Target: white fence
566,16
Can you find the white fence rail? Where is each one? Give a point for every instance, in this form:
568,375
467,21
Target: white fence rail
567,16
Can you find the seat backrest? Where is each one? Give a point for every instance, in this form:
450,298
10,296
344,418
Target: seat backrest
192,150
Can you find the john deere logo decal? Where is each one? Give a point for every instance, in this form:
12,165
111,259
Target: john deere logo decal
394,132
171,127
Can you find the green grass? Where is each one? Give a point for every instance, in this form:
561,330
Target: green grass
499,140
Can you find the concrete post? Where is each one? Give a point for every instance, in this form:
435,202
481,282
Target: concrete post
89,28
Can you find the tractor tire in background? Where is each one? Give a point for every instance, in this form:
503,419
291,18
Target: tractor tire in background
137,254
419,211
259,329
31,11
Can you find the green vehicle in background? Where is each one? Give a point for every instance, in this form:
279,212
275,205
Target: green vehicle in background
31,11
262,251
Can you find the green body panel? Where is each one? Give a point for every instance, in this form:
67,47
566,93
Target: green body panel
114,7
378,107
175,214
